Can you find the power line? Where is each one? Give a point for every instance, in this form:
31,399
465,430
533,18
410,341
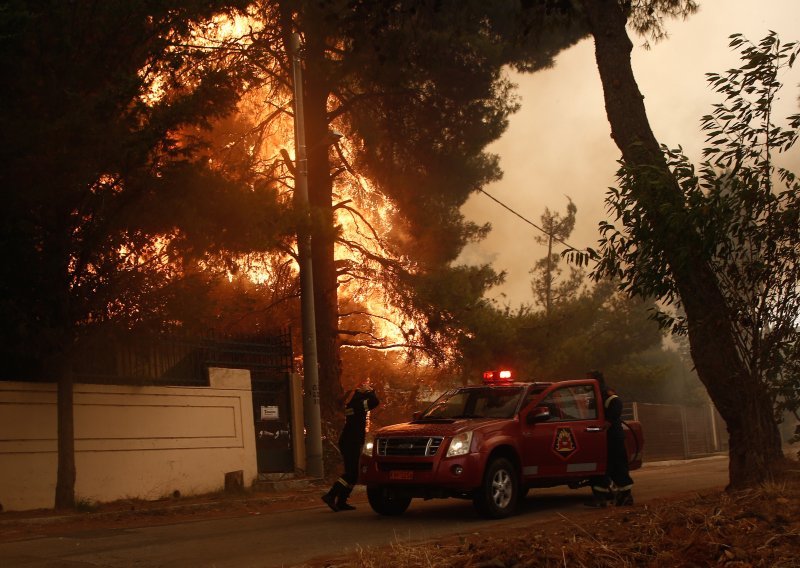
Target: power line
528,221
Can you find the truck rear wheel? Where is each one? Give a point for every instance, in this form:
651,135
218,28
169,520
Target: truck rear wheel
499,493
384,501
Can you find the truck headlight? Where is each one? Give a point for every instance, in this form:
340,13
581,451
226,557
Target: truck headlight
460,444
369,443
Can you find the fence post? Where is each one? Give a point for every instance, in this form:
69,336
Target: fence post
684,431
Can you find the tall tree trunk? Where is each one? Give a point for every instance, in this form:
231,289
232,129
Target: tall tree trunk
320,186
740,397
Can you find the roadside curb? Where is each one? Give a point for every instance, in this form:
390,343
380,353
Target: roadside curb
666,463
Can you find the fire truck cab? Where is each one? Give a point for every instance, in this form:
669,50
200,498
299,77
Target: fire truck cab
491,443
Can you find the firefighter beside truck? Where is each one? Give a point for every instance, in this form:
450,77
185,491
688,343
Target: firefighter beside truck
491,443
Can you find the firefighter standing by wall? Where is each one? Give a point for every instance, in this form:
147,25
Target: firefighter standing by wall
357,404
617,456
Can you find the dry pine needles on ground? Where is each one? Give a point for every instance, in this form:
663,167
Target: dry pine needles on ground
754,528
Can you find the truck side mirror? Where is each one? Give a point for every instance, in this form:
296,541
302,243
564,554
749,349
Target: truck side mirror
538,414
416,415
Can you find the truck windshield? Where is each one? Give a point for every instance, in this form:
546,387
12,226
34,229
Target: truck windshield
476,402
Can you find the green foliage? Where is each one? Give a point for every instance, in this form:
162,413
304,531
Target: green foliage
743,208
647,17
445,303
546,272
600,328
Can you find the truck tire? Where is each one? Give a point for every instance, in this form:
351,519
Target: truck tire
384,501
498,495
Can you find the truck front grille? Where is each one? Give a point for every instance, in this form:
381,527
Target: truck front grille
417,446
405,466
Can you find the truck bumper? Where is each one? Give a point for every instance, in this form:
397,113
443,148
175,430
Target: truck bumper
460,474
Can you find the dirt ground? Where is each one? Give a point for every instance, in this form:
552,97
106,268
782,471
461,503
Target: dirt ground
754,528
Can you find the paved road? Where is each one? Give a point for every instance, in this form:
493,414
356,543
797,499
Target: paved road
293,537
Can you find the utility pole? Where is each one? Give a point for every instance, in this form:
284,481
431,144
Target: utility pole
311,404
548,278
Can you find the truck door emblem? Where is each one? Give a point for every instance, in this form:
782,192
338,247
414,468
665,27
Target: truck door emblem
564,443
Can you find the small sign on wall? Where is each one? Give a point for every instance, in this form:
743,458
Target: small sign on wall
270,413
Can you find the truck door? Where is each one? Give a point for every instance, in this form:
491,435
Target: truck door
572,442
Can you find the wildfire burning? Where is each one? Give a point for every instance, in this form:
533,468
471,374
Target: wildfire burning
362,215
261,138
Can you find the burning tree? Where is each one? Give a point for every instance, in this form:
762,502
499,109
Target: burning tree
418,92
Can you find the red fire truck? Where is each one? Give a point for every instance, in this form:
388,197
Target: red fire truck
491,443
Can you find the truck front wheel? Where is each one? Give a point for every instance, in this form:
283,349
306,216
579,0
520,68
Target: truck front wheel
499,493
384,501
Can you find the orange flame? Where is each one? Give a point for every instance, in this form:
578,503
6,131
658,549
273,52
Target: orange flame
367,215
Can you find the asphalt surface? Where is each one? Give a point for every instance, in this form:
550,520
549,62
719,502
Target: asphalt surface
303,529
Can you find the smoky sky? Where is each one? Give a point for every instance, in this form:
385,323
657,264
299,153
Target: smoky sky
558,144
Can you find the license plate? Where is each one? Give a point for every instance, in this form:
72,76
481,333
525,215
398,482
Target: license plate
401,474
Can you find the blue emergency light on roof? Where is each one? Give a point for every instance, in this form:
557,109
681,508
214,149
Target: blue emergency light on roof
497,377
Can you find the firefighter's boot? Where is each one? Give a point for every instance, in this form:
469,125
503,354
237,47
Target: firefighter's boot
332,496
623,498
600,497
341,500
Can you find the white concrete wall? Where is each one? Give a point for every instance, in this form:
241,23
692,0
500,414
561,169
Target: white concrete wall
130,442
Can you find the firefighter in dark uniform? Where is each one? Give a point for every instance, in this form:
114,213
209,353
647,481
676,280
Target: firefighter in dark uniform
617,463
357,403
